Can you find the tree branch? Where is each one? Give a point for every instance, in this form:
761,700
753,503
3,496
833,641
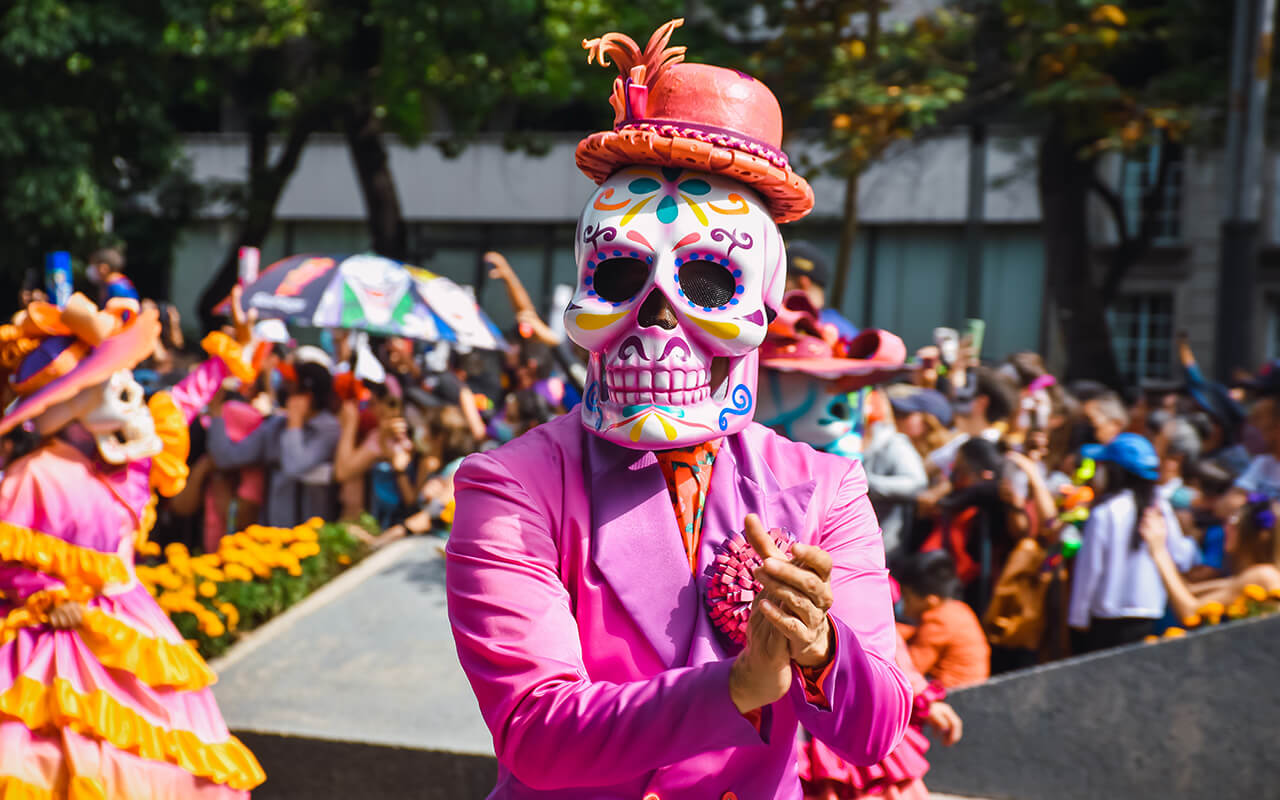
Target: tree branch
1132,249
1114,203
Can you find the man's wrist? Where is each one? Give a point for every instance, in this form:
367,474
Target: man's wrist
817,661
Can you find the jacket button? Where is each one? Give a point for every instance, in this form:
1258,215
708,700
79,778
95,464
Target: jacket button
728,796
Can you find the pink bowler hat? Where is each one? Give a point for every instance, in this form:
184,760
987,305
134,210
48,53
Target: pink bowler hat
799,342
49,355
691,116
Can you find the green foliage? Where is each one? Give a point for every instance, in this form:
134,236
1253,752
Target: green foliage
83,123
918,71
862,84
1117,75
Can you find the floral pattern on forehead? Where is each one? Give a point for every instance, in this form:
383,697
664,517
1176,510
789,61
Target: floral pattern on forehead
679,254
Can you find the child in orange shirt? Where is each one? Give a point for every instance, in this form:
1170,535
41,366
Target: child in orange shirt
946,643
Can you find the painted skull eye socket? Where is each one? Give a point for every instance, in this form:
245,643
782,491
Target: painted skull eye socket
707,283
620,279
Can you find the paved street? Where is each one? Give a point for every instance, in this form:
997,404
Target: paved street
373,662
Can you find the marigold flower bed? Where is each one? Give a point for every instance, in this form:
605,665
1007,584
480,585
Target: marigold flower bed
254,575
1254,601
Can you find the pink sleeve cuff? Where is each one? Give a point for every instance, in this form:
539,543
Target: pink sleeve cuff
927,697
815,677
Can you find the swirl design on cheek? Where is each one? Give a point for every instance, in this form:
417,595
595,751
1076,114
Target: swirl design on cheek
736,239
740,205
601,203
591,400
590,234
741,400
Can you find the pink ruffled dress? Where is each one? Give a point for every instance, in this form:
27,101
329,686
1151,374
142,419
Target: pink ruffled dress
827,776
120,706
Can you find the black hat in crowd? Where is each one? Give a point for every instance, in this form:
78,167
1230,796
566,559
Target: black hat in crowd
1267,382
804,258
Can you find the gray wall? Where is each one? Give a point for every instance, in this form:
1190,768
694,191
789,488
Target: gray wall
1187,718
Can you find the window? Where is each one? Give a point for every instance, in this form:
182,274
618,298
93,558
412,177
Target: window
1273,327
1137,174
1142,335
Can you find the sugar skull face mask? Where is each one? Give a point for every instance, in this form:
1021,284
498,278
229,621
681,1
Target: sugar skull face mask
676,270
806,409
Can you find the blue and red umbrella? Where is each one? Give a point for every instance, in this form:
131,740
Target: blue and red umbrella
370,293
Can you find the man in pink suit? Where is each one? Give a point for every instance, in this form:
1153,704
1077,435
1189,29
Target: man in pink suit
650,594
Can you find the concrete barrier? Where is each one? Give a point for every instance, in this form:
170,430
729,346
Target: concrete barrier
1195,717
300,768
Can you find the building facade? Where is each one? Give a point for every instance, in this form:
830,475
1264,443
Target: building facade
910,271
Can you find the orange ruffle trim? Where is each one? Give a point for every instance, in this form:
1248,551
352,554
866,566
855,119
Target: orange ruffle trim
60,559
155,662
49,708
169,468
80,788
232,354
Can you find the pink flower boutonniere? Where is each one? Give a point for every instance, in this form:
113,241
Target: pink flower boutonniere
732,585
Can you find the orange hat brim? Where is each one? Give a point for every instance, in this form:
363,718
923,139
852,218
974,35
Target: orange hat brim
788,196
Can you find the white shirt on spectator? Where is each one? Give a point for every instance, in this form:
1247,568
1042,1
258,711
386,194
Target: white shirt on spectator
1263,475
1114,580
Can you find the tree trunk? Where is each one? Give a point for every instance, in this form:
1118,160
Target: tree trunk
266,184
387,232
1064,181
848,235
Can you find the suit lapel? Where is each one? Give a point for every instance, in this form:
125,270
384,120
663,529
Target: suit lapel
741,484
637,548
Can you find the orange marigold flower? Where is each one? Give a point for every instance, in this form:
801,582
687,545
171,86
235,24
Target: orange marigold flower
231,613
1237,609
1151,639
344,559
1174,633
1255,593
208,589
1214,609
1191,621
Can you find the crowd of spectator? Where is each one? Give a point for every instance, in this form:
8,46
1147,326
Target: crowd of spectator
1025,519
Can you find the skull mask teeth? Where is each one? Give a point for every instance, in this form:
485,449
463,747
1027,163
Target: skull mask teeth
676,270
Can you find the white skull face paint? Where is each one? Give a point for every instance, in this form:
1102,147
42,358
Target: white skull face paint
122,423
802,407
675,270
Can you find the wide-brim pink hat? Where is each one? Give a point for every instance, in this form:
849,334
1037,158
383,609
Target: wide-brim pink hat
691,116
799,342
70,349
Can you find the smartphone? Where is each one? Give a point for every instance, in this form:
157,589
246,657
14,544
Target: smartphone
974,331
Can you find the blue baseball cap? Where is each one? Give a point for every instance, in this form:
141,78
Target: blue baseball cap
910,399
1129,451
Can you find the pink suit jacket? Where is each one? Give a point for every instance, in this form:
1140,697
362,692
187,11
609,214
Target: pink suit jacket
587,640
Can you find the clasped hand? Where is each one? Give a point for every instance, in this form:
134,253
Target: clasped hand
788,620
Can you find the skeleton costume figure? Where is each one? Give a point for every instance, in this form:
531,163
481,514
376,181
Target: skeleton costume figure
100,697
811,382
650,594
